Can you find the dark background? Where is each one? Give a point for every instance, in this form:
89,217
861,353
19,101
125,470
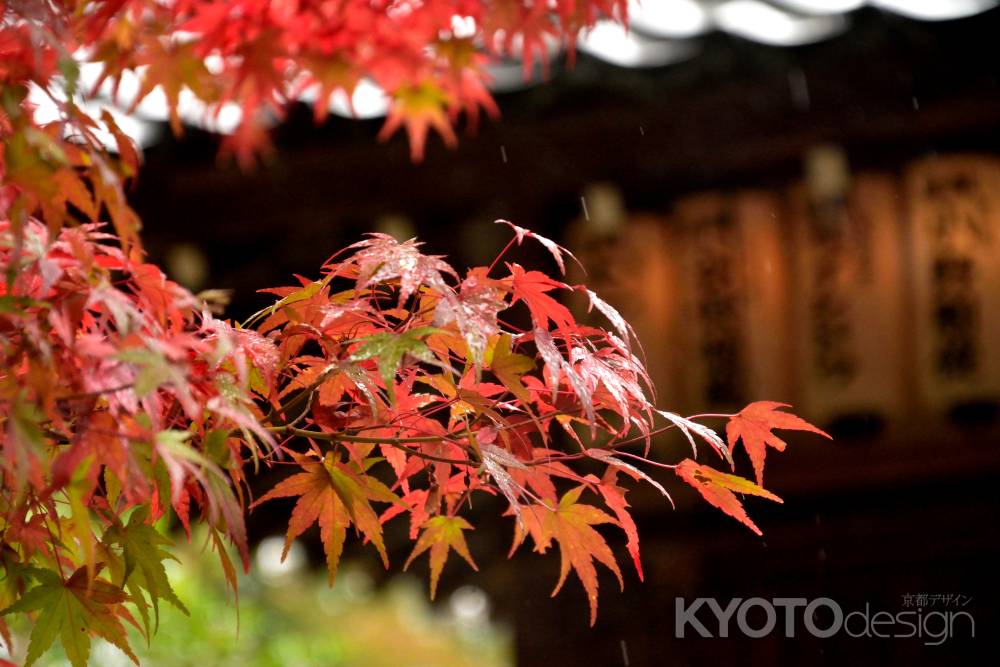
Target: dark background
866,519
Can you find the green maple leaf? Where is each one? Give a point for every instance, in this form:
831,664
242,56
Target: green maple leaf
73,610
141,565
388,350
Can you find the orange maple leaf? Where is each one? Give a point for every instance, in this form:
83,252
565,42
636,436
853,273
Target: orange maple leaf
335,496
614,497
570,524
753,424
442,533
718,487
420,107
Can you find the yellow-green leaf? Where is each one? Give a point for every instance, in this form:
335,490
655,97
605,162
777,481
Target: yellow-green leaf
441,534
509,367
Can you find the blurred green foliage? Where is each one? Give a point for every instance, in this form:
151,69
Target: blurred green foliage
288,616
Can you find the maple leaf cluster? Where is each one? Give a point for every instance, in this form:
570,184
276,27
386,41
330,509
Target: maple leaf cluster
417,390
117,399
430,57
394,386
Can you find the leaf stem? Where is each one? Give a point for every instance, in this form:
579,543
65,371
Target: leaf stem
503,252
398,443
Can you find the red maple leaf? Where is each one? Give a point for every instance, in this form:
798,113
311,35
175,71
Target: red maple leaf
419,107
531,287
614,498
